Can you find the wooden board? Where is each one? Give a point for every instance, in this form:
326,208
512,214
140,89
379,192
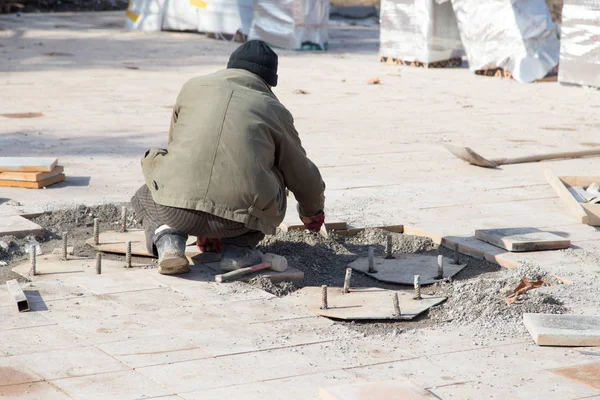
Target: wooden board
563,329
30,176
331,226
522,239
27,164
15,291
18,226
356,231
397,389
33,185
404,267
585,374
585,213
363,303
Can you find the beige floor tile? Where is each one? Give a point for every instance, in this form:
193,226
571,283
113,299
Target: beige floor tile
65,363
142,352
32,391
189,376
116,385
38,339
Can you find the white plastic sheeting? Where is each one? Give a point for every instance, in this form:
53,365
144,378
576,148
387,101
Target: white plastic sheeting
291,24
215,16
515,35
580,43
419,30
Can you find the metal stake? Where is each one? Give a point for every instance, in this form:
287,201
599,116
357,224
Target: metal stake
324,297
98,263
65,250
347,280
124,219
397,312
440,274
128,255
418,287
371,260
96,232
456,254
388,248
33,260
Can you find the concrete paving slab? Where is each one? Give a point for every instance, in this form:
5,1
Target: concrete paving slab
586,374
307,386
154,350
403,268
66,363
263,310
22,211
363,303
15,225
121,385
308,330
115,282
563,330
522,239
15,372
38,339
42,291
11,318
396,389
33,391
251,391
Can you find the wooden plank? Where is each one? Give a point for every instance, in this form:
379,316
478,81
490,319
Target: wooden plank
30,176
27,164
14,289
397,389
573,205
356,231
33,185
331,226
522,239
17,226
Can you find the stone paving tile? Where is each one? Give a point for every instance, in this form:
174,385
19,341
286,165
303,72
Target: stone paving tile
65,363
262,310
32,391
38,339
151,300
307,386
252,391
44,291
13,319
148,351
114,283
116,385
77,309
472,391
307,330
13,372
195,375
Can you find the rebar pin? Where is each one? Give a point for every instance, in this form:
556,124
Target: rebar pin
124,219
371,260
417,287
98,263
324,305
128,255
33,260
96,232
388,248
397,312
65,251
440,274
347,280
456,255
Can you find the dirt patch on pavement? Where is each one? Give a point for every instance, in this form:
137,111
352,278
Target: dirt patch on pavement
278,289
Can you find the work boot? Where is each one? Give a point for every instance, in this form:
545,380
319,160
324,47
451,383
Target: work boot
170,245
236,257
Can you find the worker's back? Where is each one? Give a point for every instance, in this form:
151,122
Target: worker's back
222,151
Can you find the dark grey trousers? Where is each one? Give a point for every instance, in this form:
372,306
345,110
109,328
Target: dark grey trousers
190,222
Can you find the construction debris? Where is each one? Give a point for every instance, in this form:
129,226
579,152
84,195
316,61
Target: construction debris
524,287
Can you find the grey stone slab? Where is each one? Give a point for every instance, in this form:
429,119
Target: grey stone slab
38,339
404,267
364,303
15,225
522,239
563,330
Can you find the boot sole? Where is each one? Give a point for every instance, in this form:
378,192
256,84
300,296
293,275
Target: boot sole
173,266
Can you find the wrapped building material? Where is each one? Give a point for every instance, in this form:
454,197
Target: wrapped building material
291,24
226,17
580,43
145,15
422,32
181,15
517,36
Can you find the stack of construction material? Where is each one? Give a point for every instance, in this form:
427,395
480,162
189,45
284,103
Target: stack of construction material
580,43
222,18
291,24
517,36
419,33
30,172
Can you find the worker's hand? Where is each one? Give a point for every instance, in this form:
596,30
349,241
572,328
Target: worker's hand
315,223
206,245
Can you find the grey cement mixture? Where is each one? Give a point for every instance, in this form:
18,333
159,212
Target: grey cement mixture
475,296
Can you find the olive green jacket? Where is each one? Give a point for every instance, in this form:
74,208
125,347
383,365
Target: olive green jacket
232,152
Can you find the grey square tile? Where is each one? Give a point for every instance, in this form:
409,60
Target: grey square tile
38,339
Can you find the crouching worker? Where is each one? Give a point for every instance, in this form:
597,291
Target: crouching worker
232,152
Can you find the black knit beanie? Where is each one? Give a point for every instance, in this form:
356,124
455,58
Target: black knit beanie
257,57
